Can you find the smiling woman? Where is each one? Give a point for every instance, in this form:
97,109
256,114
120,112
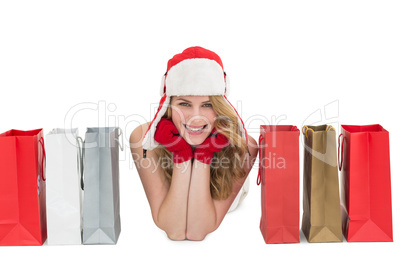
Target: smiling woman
193,116
195,155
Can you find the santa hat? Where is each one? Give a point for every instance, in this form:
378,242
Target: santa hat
197,72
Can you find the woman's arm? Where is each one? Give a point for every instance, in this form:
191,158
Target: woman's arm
204,213
173,210
160,196
201,214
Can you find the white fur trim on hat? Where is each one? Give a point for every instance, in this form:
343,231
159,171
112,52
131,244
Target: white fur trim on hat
149,142
162,89
195,77
227,81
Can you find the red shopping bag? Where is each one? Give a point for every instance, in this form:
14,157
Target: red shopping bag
366,183
279,177
22,188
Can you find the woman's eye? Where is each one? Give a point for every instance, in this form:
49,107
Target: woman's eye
188,104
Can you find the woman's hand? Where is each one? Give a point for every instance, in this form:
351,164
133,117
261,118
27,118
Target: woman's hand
167,134
215,142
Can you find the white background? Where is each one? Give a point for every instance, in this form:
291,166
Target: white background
99,63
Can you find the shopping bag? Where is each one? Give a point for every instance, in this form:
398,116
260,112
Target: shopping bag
101,216
279,177
321,220
63,190
22,188
364,162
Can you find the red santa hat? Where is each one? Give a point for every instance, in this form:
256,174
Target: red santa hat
196,72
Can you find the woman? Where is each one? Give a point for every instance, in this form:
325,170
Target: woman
195,155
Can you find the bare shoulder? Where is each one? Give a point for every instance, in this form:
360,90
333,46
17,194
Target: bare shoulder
136,138
248,160
137,135
252,146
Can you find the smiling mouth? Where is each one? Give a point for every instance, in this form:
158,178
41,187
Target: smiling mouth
195,129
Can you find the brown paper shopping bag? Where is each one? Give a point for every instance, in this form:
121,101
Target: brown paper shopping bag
321,204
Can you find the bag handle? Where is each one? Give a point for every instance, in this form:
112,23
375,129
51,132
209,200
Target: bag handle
81,153
119,134
42,142
294,128
305,130
341,154
259,159
329,127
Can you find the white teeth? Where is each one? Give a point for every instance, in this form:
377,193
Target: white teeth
194,129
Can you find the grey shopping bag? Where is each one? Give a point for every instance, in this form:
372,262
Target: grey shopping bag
101,217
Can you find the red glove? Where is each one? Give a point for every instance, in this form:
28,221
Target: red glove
167,134
215,142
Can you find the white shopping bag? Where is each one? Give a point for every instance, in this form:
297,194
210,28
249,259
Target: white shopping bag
63,187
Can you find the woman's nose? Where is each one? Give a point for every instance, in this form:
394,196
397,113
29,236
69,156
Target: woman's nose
191,111
196,117
195,110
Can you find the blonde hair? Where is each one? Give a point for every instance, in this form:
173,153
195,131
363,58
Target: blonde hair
222,177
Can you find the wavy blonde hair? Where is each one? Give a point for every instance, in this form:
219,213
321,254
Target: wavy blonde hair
222,177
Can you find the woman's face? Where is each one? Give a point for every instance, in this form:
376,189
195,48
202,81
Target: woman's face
194,117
